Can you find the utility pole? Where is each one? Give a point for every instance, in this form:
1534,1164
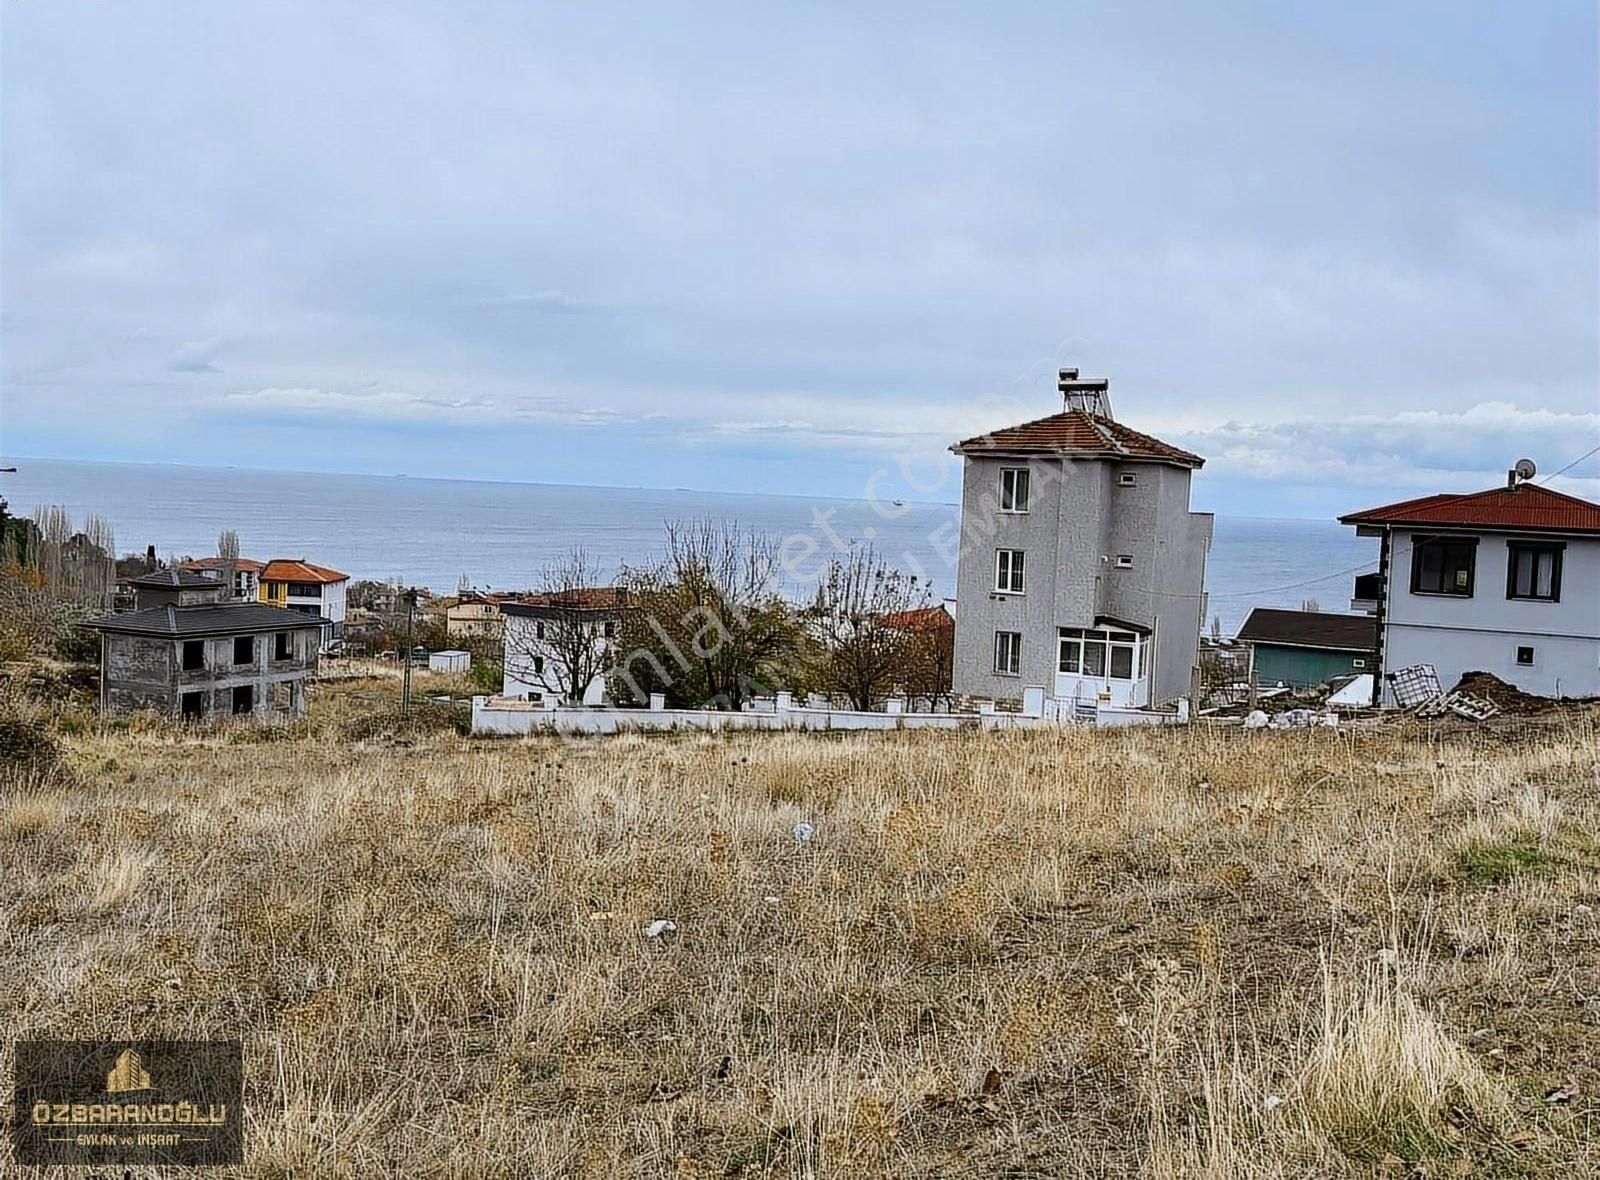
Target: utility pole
405,683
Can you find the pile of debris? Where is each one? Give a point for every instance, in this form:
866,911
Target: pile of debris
1477,696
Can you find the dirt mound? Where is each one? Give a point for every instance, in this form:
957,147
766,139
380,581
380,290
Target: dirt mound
1509,697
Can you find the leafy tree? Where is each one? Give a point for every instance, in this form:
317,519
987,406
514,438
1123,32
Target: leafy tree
706,625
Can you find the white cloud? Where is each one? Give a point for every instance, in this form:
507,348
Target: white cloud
195,356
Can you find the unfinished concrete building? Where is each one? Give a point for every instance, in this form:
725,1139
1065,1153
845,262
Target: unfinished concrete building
185,652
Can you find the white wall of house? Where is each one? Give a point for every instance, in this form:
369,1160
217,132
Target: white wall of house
1483,632
330,604
534,666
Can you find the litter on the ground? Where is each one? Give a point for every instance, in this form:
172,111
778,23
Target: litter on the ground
1255,719
1414,686
1463,704
659,927
803,831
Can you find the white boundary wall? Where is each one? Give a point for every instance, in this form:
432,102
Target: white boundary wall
501,715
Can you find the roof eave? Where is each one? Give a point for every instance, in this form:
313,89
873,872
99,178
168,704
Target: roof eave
1005,451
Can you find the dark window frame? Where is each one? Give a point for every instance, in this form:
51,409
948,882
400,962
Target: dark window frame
1013,647
192,645
1444,542
1530,661
250,661
1516,548
283,646
200,698
243,694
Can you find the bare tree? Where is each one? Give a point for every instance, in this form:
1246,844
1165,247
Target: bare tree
868,649
569,641
228,552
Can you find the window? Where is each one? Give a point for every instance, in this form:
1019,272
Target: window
1124,561
1443,565
610,629
244,699
538,629
1534,571
1013,489
244,649
1008,571
283,646
1101,653
1358,662
538,665
305,589
194,655
1525,655
194,705
1008,653
1127,479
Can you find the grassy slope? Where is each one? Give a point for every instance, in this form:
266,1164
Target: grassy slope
1077,953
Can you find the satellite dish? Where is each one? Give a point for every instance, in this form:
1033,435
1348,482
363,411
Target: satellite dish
1525,469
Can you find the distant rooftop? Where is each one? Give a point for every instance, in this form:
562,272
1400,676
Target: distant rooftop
217,563
193,622
298,569
1525,508
586,598
1078,432
174,579
1310,628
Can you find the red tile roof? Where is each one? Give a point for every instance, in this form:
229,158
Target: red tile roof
582,598
1078,432
1525,508
928,618
216,563
285,569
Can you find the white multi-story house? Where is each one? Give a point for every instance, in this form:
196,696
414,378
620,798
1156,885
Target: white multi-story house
297,584
1505,581
246,574
560,644
1082,569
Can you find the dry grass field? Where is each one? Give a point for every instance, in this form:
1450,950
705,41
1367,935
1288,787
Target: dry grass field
1206,953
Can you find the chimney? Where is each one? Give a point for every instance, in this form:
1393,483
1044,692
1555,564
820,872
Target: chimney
149,557
1091,395
1511,478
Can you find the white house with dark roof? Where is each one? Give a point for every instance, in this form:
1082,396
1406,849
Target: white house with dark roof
1082,569
1505,581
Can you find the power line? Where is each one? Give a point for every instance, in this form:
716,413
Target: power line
1570,466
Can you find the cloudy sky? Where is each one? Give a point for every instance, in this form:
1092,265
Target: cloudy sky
1345,251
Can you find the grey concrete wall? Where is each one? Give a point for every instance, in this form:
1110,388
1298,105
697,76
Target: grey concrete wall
147,673
1482,633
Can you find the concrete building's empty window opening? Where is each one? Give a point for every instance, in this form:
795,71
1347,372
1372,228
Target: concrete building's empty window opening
194,705
283,646
1013,489
244,650
1525,655
194,655
244,699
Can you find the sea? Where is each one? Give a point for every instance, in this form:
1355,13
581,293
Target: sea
440,533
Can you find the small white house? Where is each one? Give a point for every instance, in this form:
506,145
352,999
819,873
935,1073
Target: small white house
450,661
1504,581
560,644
